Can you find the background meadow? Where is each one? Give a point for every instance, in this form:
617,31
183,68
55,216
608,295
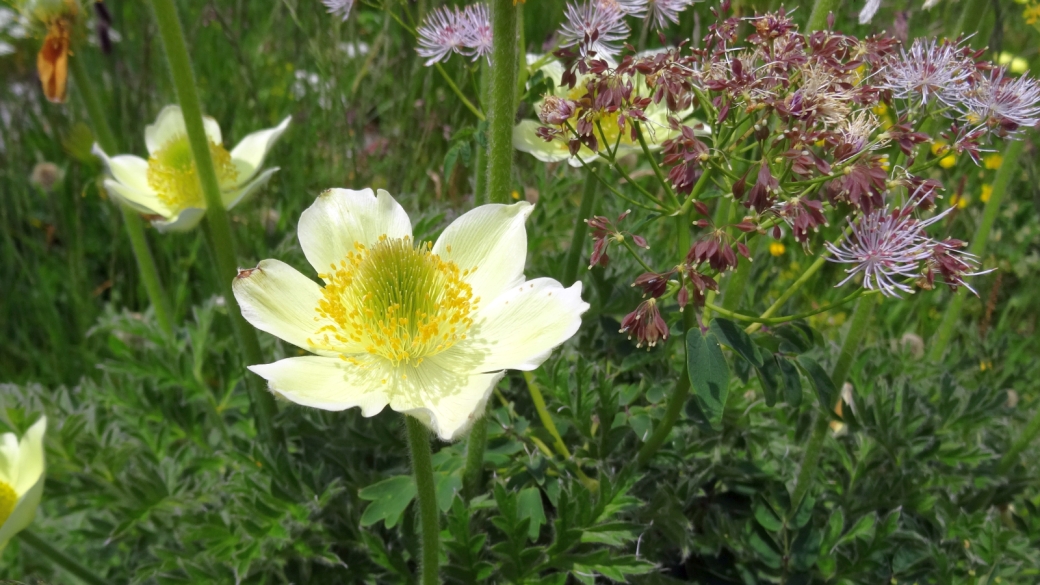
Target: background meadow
154,470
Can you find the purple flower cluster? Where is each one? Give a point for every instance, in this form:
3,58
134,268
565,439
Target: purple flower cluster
449,30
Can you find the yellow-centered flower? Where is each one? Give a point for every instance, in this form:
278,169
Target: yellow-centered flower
21,480
166,187
427,328
655,131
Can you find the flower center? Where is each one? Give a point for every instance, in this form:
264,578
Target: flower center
171,172
396,300
8,499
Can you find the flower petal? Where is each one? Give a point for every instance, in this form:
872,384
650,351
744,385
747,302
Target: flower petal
329,383
24,512
9,452
129,170
526,139
520,328
186,220
249,153
340,217
276,298
146,202
169,124
30,457
446,401
491,242
233,198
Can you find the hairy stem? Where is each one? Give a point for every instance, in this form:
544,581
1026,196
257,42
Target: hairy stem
1007,171
61,559
429,516
134,226
813,450
581,229
263,404
476,444
501,100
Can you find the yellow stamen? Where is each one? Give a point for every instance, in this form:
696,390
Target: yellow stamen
171,172
395,300
8,499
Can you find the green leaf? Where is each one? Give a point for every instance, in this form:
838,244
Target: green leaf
792,382
769,375
730,334
389,499
448,484
529,505
766,517
709,374
864,528
821,381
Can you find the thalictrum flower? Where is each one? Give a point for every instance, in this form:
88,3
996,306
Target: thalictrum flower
563,102
425,328
449,30
339,8
886,247
597,26
930,69
166,186
21,480
1004,103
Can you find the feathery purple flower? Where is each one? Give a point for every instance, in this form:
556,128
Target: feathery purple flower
597,26
930,69
339,8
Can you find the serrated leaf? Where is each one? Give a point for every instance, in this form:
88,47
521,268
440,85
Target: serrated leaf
709,374
389,498
792,382
820,380
731,335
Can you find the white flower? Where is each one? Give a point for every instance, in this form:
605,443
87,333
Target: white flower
425,328
166,185
339,8
656,130
21,480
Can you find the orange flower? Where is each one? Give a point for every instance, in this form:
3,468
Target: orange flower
52,62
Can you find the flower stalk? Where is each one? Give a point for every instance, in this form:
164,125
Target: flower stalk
818,17
978,245
675,402
58,557
813,450
581,229
502,100
429,517
172,34
134,226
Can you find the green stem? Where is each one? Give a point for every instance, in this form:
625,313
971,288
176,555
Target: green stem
61,559
501,100
653,164
971,17
738,282
676,402
476,444
698,188
429,516
547,421
134,226
581,229
264,407
818,16
811,458
809,272
1024,440
458,92
1001,182
788,318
